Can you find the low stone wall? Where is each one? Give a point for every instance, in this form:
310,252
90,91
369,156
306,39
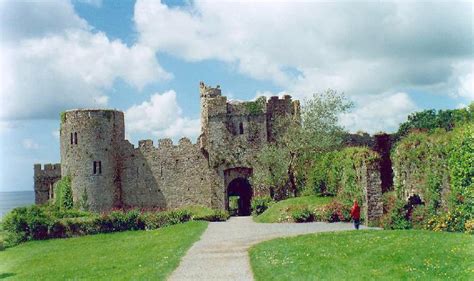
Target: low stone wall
44,180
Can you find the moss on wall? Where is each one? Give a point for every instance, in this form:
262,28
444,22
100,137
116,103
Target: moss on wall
63,193
257,106
339,173
62,116
438,167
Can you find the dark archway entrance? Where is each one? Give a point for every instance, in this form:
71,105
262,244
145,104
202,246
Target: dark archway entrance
241,190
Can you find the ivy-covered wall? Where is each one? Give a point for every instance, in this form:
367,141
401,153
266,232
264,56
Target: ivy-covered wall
438,166
351,173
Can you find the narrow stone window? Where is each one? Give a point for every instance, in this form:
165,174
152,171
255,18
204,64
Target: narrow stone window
97,167
75,138
72,138
241,128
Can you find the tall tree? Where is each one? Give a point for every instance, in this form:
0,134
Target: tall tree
281,164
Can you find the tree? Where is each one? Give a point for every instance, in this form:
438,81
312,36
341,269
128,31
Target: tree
282,164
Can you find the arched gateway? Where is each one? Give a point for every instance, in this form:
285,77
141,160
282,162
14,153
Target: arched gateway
237,184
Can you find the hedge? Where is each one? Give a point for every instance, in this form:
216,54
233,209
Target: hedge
46,222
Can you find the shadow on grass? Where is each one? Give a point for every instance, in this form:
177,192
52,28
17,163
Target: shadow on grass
6,275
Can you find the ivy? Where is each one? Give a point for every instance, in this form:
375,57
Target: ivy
63,194
461,166
257,106
63,116
336,173
439,166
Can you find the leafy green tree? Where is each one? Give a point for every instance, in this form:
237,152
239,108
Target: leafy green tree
282,165
431,119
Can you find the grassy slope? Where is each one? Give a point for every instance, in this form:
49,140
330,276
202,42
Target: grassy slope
362,255
280,209
150,255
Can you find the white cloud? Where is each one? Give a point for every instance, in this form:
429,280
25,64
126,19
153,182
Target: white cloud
161,116
67,66
466,86
330,44
30,144
35,19
379,113
364,49
55,134
94,3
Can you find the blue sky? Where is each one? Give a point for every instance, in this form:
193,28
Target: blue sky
147,58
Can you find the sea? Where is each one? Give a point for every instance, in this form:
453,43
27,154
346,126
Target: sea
12,199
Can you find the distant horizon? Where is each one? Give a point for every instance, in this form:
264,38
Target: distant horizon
19,190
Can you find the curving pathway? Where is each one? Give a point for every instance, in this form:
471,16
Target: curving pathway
222,251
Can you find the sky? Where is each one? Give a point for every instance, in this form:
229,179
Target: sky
147,58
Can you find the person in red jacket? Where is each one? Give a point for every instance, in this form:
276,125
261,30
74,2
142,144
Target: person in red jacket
355,214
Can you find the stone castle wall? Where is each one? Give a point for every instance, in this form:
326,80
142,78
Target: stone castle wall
166,176
44,179
108,172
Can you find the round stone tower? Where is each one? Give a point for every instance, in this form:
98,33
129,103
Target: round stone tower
90,156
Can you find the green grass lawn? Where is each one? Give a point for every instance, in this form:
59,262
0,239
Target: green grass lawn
366,255
279,211
144,255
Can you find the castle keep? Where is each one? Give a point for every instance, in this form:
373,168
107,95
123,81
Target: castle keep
108,172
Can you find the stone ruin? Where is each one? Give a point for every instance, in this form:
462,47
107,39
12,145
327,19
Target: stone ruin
108,172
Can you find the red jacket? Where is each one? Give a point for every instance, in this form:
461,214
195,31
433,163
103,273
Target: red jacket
355,212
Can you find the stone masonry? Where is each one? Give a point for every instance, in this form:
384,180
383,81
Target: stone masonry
108,172
44,180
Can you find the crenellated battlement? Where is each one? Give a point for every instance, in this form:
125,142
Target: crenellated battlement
44,179
48,168
167,143
114,173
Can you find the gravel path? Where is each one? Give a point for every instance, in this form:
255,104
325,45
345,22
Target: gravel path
222,252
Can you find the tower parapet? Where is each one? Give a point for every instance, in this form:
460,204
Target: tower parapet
44,180
208,91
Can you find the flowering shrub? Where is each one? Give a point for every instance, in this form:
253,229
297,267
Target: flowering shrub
333,212
453,220
302,215
469,226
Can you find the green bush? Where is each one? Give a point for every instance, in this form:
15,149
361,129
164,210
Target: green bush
166,218
216,215
419,217
302,215
453,220
431,119
63,194
333,212
45,222
260,204
26,223
396,218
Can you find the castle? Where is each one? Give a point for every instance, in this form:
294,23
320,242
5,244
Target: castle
108,172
